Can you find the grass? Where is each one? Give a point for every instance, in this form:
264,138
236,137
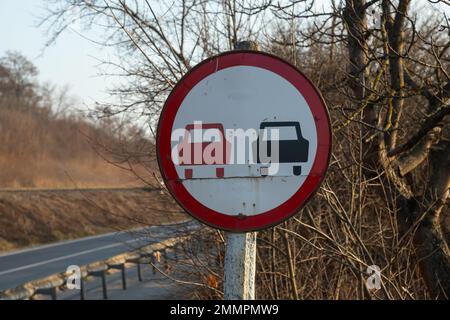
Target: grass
37,217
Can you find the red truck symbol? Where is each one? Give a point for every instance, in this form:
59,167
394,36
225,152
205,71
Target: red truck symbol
195,147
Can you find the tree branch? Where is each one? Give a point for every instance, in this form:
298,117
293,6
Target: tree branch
431,122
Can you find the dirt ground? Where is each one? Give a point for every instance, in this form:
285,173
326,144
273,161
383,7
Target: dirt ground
30,217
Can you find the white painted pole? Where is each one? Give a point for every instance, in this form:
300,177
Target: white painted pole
240,251
240,266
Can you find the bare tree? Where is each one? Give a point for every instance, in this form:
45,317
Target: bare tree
383,70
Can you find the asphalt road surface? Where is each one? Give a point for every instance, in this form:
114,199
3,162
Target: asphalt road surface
22,266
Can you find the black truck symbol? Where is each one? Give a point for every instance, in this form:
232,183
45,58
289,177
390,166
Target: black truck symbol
292,149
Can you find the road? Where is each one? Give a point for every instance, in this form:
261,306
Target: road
25,265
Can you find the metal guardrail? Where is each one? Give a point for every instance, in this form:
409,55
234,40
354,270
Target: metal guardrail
51,284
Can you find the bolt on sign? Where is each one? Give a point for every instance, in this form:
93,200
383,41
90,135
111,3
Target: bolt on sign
243,141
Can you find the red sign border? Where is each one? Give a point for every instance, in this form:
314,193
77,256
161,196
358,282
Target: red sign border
164,131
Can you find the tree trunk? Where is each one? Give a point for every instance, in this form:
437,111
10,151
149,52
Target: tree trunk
432,248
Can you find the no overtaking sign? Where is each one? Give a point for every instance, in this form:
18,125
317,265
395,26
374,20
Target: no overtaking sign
243,141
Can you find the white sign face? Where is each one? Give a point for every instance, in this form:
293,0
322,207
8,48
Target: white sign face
244,140
242,99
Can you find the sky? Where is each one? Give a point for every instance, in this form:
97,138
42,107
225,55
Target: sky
70,61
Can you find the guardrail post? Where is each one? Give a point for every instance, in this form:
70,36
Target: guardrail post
124,280
53,293
139,271
105,293
82,295
121,267
153,261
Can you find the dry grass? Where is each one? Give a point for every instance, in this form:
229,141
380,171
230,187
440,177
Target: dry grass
41,149
21,173
40,152
37,217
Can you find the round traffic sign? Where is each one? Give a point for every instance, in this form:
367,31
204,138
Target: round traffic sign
243,141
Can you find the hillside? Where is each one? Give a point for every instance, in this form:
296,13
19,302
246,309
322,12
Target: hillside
45,144
30,217
41,152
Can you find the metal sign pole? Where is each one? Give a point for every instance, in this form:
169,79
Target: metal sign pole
240,254
240,266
